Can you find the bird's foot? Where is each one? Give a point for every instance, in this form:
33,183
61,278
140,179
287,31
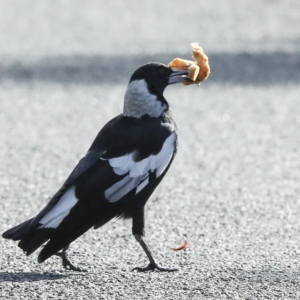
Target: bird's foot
152,267
67,264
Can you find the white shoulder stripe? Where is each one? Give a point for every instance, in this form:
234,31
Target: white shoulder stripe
137,172
125,164
55,216
165,155
121,188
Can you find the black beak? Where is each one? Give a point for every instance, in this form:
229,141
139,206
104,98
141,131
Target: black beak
177,76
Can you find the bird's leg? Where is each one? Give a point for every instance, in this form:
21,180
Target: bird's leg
65,260
138,231
152,265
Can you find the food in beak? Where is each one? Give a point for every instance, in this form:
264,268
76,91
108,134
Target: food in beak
198,70
178,75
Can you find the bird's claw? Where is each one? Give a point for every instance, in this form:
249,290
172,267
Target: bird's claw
69,266
152,267
67,263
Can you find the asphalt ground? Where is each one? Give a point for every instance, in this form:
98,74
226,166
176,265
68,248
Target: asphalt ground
233,190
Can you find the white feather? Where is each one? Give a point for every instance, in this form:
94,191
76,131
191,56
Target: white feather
138,171
119,161
121,188
165,155
55,216
139,168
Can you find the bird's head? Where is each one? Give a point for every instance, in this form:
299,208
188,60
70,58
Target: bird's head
144,94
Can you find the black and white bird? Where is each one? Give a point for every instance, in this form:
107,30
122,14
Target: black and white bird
126,162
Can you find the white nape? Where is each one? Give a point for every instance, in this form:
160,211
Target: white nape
139,101
55,216
138,172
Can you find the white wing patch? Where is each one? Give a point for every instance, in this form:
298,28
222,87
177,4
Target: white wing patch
121,188
55,216
138,172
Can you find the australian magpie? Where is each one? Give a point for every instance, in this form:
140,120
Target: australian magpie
126,162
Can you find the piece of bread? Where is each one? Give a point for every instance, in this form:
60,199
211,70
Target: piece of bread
198,70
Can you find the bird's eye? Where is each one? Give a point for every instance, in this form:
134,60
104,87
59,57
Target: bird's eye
162,71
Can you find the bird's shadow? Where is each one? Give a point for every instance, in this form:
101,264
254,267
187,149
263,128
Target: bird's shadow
30,276
231,274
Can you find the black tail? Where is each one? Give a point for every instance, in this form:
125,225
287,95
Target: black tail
30,237
30,233
18,232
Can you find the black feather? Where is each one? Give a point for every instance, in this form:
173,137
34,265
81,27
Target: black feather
35,239
18,232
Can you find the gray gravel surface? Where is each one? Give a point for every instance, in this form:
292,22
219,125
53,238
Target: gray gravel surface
233,190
